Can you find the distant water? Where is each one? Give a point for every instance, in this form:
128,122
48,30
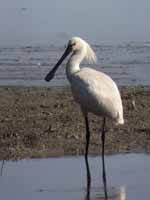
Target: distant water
126,63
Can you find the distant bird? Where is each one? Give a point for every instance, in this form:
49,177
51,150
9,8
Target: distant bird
95,91
23,9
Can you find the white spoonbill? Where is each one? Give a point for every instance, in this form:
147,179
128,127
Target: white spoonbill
95,91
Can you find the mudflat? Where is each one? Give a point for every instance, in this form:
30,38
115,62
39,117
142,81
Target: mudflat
42,122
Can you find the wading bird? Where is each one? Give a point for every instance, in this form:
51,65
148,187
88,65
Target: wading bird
95,91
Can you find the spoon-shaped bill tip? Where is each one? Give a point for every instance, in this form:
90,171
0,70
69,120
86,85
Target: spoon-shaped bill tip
50,76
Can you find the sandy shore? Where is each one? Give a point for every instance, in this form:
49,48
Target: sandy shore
42,122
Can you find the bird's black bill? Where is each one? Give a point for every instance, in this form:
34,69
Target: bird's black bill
51,74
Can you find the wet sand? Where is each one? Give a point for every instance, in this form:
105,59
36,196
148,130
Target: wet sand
42,122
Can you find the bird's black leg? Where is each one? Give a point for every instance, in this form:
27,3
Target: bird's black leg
86,156
87,135
88,179
103,159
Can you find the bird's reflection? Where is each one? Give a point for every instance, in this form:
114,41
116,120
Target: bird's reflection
88,189
113,193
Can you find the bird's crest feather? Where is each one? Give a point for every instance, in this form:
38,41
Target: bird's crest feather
90,54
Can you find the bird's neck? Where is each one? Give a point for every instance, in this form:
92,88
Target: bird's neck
73,64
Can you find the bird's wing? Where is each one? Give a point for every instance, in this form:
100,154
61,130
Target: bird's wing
97,92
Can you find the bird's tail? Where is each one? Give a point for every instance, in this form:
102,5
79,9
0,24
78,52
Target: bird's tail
119,119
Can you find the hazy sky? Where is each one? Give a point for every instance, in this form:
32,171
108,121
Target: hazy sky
54,21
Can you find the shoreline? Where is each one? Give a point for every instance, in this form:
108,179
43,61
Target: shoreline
40,122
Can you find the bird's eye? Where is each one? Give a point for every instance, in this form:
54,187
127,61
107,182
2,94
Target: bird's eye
73,44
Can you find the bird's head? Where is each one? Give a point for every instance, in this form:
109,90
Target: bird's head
75,45
78,45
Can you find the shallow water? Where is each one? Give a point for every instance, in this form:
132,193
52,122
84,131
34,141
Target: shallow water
65,178
126,63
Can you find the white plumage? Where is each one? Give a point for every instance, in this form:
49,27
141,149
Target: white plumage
97,93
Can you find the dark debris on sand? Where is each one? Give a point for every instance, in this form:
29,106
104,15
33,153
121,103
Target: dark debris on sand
42,122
